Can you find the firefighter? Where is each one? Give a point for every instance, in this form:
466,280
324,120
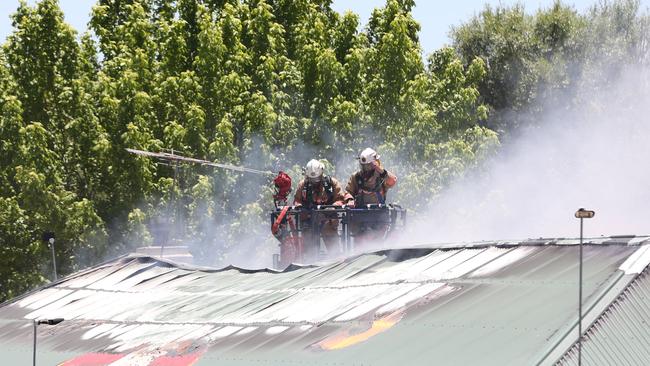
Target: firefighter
319,189
369,185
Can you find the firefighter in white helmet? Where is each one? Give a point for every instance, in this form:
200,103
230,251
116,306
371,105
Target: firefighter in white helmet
369,185
319,189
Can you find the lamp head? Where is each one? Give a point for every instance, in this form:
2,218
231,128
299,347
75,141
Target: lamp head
54,321
48,236
584,214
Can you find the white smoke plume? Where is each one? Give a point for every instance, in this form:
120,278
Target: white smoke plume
594,155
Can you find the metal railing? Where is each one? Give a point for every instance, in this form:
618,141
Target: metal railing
308,224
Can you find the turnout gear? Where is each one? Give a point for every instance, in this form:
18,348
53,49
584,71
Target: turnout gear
326,192
315,189
363,189
371,183
309,195
368,186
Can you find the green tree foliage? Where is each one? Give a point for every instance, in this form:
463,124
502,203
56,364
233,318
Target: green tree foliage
18,249
53,149
536,59
268,84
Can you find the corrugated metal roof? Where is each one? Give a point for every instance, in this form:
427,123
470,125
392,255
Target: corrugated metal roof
621,336
504,303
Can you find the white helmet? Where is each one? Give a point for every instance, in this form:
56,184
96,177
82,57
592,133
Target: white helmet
314,171
367,157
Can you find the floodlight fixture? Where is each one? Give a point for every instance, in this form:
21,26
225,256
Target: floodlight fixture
36,323
584,214
54,321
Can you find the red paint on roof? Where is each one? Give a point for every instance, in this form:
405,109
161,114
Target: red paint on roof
93,359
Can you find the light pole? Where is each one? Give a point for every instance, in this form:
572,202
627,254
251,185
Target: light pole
36,324
48,237
581,214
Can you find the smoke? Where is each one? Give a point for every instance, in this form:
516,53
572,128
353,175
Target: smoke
253,244
243,237
594,154
590,149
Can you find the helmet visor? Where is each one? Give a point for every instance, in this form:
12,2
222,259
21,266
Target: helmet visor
366,167
315,179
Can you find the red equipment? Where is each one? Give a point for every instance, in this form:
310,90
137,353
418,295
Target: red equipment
282,188
291,245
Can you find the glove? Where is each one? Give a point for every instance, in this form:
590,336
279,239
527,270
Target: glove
377,166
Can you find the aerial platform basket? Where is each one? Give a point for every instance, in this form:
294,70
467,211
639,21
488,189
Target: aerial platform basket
299,229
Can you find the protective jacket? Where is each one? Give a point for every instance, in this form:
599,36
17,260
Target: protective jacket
327,192
369,188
